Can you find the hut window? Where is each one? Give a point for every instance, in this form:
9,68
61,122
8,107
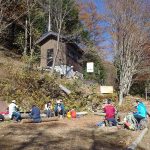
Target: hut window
50,54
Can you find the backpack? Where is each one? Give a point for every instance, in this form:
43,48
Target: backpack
130,122
1,117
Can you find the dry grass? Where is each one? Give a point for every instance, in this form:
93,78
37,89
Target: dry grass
6,62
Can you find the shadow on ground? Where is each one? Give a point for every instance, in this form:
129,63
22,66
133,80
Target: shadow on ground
58,136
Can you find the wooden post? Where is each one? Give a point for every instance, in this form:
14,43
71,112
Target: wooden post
26,36
138,140
146,93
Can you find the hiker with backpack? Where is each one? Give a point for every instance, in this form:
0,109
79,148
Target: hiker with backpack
136,120
141,112
14,113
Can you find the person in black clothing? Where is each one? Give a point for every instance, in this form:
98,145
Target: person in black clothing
35,114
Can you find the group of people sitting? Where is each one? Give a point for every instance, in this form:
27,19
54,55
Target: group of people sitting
35,113
111,117
59,109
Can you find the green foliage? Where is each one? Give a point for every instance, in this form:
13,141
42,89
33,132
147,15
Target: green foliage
20,42
37,25
30,61
138,89
99,71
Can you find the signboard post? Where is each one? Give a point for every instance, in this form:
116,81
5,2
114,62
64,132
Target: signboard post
106,89
90,67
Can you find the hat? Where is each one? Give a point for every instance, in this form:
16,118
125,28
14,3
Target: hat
13,101
57,101
138,100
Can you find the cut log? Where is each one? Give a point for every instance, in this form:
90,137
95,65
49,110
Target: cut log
23,116
138,140
63,88
99,114
43,120
81,113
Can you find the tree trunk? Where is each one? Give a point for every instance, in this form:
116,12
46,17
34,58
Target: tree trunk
57,49
120,97
26,36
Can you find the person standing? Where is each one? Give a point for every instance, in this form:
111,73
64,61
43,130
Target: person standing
14,114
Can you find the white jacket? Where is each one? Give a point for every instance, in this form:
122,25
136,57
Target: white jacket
12,108
48,107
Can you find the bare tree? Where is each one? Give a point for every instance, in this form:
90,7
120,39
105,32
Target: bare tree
91,20
58,11
33,14
127,28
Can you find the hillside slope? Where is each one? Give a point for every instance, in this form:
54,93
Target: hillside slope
30,87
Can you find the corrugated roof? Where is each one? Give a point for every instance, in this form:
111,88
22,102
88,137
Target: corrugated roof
54,34
48,34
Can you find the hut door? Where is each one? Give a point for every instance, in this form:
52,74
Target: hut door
50,54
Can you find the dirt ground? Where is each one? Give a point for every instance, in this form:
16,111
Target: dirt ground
77,134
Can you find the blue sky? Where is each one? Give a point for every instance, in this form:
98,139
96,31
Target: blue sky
100,5
101,9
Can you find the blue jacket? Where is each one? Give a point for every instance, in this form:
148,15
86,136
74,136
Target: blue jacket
141,110
62,107
35,113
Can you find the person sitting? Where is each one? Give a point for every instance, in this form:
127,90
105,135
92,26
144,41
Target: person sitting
63,107
59,108
73,113
35,114
14,113
141,112
68,114
110,111
48,109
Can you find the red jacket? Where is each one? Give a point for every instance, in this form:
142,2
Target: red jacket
73,113
110,111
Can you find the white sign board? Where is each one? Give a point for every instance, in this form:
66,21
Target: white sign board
90,67
106,89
